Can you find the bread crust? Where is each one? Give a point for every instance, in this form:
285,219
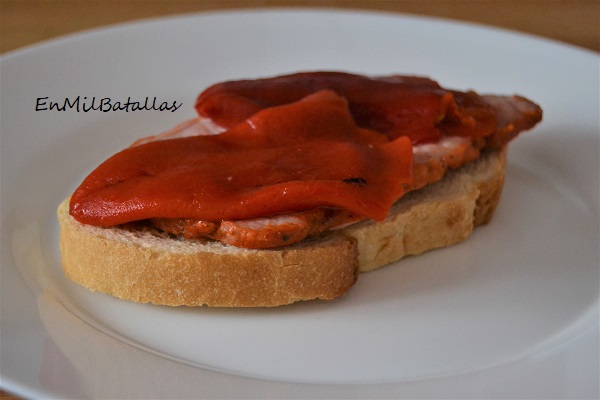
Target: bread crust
439,215
145,267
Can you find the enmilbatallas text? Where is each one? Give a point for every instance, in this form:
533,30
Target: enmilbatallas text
105,104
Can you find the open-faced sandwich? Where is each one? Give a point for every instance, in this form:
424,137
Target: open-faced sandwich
284,189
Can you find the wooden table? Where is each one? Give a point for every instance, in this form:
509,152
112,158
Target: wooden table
24,22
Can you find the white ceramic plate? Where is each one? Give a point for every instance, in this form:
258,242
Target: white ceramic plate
511,312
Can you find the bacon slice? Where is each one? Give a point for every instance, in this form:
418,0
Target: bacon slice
514,114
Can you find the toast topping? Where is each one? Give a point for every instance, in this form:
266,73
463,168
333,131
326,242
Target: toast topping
294,157
272,161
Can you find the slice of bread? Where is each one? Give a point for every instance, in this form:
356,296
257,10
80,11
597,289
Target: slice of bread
145,266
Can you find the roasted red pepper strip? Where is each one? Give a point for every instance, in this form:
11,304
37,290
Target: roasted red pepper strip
394,105
299,156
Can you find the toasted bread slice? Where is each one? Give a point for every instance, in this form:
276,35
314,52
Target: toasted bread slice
149,267
438,215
